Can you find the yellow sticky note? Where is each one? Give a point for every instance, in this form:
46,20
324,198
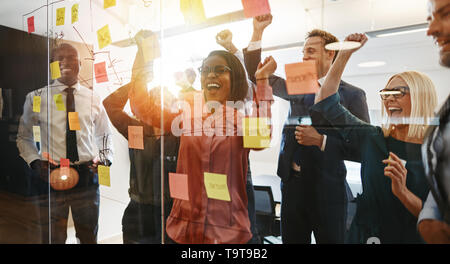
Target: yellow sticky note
108,3
150,48
59,102
193,11
36,104
216,186
60,16
75,13
74,122
256,132
104,176
103,37
37,133
54,70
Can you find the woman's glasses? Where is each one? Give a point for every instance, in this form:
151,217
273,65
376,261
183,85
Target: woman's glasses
396,92
218,70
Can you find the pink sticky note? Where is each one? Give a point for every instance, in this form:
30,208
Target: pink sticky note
301,78
254,8
30,22
64,162
100,72
136,137
178,186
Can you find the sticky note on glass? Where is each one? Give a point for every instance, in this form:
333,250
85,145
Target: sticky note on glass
193,11
150,48
216,186
37,133
60,16
30,22
75,13
54,70
301,78
108,3
136,137
64,162
103,37
178,186
256,132
59,102
100,72
36,104
254,8
74,122
104,176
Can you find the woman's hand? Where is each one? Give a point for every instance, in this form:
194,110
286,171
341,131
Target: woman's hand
356,37
308,136
142,70
396,171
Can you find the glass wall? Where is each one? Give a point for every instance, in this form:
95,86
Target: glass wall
194,121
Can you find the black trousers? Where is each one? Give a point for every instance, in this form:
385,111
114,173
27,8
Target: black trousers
311,205
141,223
83,200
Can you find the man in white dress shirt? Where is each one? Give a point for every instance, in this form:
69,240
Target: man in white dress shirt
86,148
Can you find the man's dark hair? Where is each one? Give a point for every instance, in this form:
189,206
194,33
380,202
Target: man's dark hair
239,85
326,36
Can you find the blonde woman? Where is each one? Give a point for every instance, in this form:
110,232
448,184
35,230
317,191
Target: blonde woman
392,174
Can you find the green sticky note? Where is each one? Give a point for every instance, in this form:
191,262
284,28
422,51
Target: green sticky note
104,176
36,104
59,102
54,70
216,186
60,16
256,132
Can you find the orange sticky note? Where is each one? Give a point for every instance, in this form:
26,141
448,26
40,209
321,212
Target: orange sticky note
59,102
150,48
30,22
104,177
36,104
301,78
256,132
216,186
54,70
193,11
74,122
37,133
100,72
64,162
136,137
60,16
103,37
178,186
254,8
75,13
108,3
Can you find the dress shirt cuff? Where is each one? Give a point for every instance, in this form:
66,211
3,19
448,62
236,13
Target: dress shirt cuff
324,143
430,210
254,45
30,157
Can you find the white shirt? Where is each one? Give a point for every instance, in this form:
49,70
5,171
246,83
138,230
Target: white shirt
94,124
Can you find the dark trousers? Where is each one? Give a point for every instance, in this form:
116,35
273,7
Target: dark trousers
141,223
307,207
251,208
83,200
